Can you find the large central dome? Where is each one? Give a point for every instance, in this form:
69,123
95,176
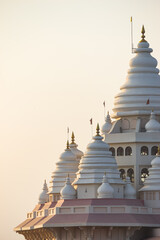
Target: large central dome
141,92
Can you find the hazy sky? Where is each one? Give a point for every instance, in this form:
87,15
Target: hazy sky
59,60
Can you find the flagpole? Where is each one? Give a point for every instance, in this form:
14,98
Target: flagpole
91,122
104,104
68,133
131,35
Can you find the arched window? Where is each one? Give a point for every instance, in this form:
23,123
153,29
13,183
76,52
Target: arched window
154,150
144,151
130,174
112,150
128,151
144,174
122,173
120,151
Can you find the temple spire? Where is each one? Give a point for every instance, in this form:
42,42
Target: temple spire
72,138
143,36
97,129
67,144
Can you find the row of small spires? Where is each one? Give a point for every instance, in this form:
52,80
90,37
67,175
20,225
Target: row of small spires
105,190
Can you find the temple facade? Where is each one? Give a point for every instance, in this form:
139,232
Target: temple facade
112,191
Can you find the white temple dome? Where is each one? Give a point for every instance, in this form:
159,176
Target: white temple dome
107,125
95,161
152,182
73,146
105,190
68,191
67,164
43,197
129,192
142,82
152,125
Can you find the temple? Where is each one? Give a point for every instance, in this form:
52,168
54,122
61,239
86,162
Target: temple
112,191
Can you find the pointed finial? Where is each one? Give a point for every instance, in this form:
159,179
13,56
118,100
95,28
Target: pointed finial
158,152
72,138
97,130
67,144
143,36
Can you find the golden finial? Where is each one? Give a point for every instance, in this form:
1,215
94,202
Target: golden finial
72,138
158,152
97,130
67,144
143,36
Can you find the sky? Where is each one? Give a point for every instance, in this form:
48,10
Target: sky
59,61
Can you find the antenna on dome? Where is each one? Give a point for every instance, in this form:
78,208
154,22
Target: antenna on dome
132,35
104,104
68,133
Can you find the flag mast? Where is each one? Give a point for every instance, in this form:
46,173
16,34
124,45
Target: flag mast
104,104
131,35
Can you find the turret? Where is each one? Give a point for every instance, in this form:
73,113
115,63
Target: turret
150,192
68,191
43,197
67,164
105,190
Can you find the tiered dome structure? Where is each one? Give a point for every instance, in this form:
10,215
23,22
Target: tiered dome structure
95,161
107,125
67,164
152,125
143,80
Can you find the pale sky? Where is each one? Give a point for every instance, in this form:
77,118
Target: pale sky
59,60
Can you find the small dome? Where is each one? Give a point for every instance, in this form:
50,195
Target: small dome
152,125
107,125
43,197
105,190
129,192
68,191
73,146
152,182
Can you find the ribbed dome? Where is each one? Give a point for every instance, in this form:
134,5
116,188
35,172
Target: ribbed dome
73,146
129,192
152,182
43,197
152,125
68,191
142,83
95,161
67,164
107,125
105,190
